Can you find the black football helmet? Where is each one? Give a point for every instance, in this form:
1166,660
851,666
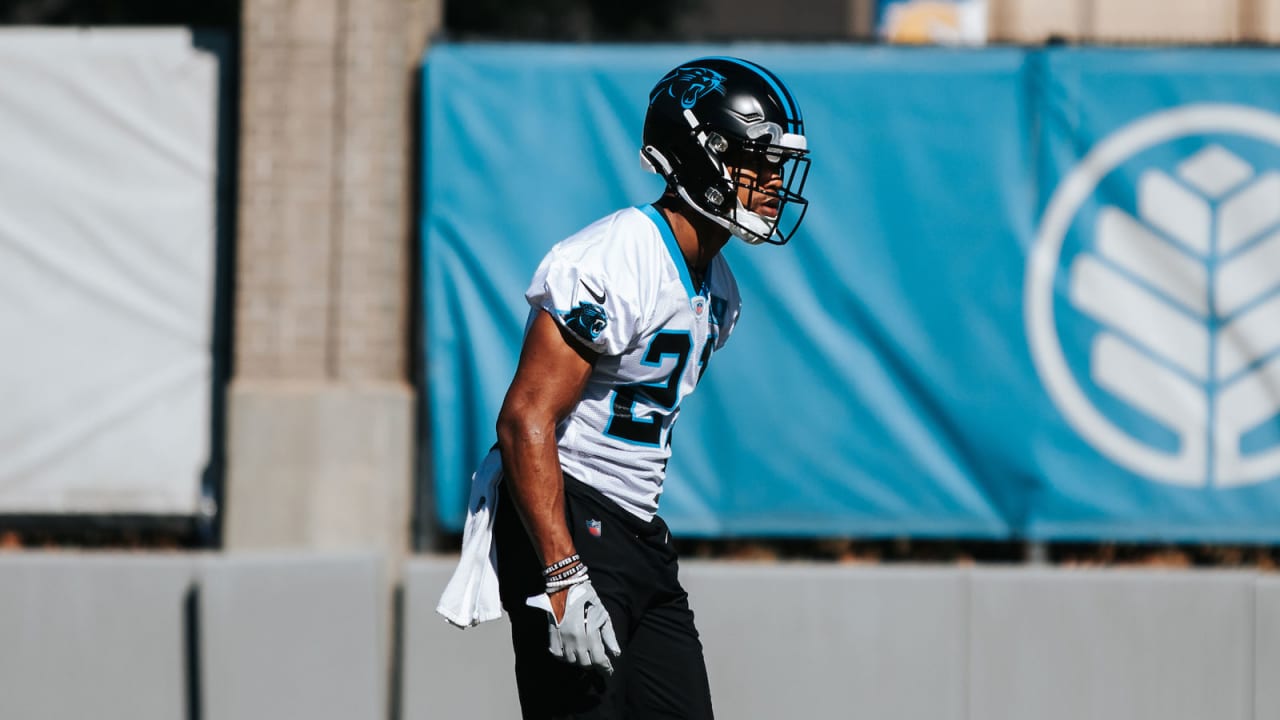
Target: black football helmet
712,118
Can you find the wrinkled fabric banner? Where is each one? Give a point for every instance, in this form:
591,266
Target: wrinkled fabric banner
1151,304
107,197
888,375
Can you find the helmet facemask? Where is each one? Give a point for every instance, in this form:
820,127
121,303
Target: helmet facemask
752,164
733,162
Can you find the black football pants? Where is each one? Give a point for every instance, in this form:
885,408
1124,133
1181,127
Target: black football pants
633,566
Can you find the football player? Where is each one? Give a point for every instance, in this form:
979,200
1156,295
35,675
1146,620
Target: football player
626,316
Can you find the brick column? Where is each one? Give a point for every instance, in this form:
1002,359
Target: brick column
285,232
320,439
860,18
1131,21
1035,21
1159,21
1260,20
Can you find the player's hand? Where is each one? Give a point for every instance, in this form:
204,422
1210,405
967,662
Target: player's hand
584,634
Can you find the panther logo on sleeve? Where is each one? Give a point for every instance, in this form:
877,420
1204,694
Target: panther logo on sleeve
587,321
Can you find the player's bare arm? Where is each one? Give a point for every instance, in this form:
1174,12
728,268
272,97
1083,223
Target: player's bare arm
549,381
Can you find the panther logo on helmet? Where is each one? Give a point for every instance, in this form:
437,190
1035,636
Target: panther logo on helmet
693,83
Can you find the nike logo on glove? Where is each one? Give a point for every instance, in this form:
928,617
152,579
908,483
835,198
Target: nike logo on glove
598,296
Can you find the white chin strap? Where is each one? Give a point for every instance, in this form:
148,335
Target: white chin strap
751,227
747,226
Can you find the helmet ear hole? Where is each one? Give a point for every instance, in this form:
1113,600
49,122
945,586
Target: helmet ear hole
720,195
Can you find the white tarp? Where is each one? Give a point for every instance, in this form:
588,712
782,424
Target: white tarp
107,227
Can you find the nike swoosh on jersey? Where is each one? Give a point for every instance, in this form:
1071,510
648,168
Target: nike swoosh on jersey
598,296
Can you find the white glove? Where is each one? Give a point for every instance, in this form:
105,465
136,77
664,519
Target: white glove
585,632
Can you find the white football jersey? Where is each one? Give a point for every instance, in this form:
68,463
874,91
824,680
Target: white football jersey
621,287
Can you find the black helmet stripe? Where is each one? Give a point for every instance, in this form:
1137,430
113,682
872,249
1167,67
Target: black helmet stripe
793,108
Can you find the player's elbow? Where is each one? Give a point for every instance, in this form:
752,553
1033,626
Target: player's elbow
520,425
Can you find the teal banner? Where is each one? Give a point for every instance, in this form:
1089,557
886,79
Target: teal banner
1036,294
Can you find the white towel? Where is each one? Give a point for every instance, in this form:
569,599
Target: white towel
471,597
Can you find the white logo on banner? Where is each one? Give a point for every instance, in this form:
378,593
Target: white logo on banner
1184,296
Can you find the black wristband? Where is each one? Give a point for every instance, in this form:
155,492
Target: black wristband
566,562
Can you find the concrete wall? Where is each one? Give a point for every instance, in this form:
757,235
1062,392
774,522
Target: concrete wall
927,643
244,636
824,641
1266,646
444,669
1068,645
200,637
94,636
292,637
